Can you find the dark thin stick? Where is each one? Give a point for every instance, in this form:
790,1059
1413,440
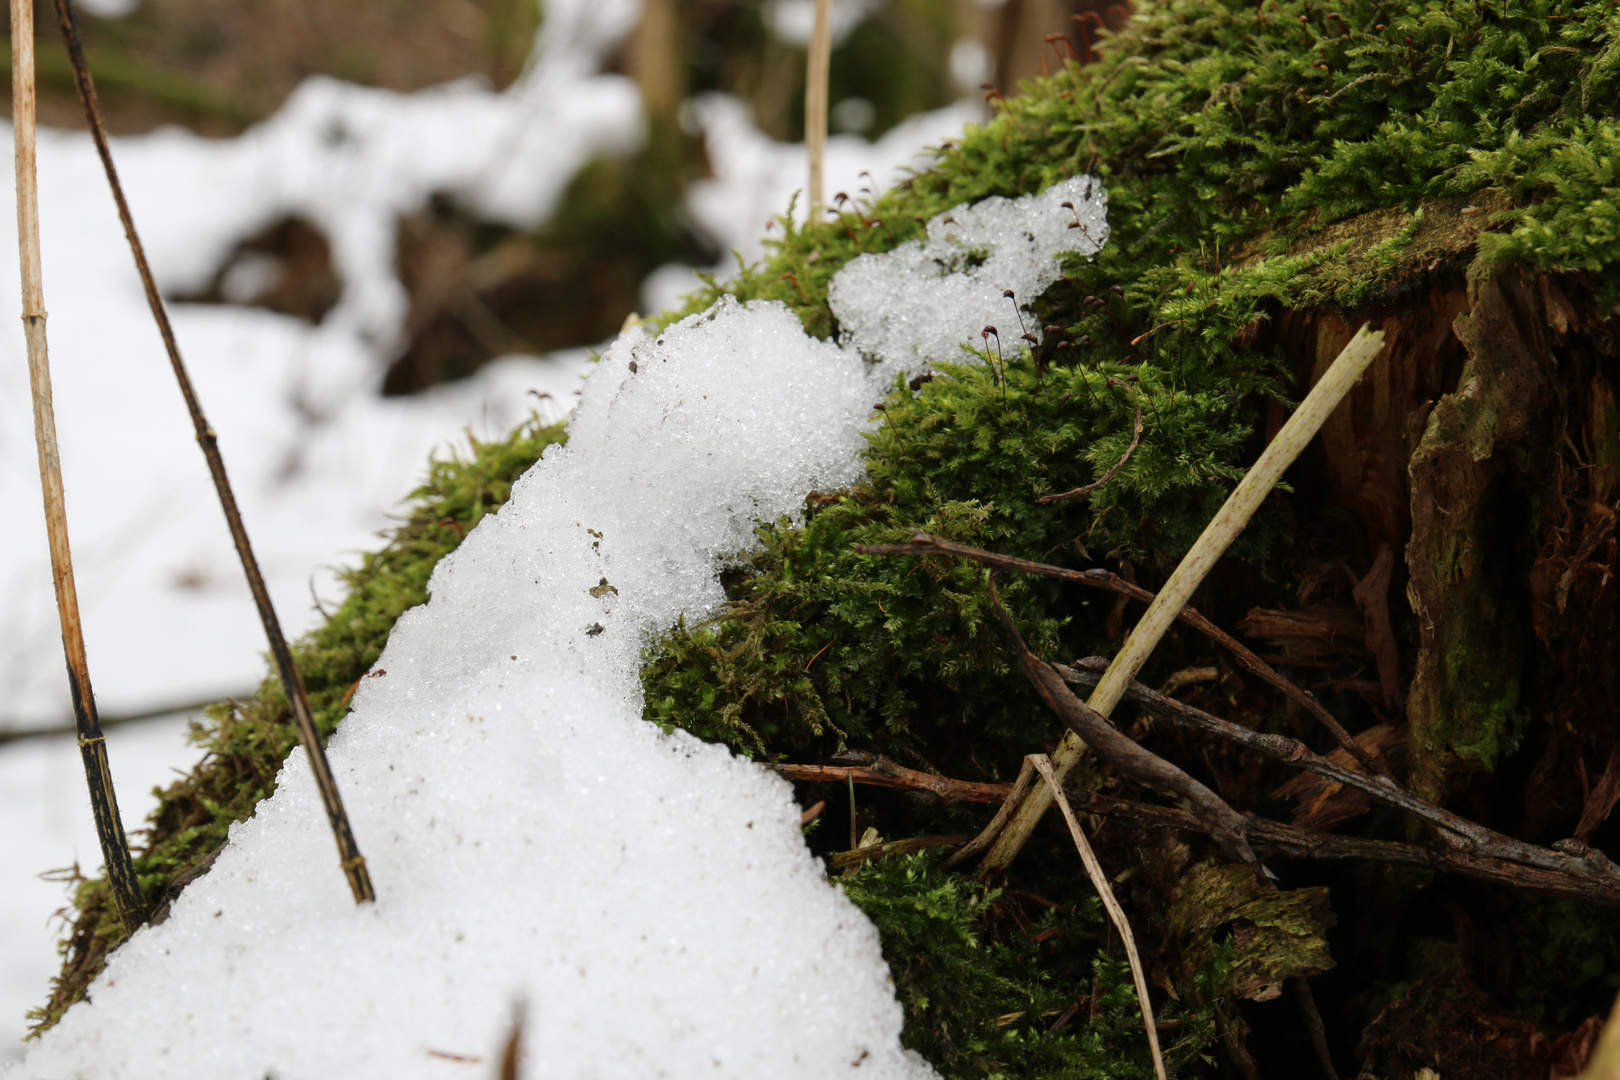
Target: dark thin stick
354,865
1569,869
881,772
92,745
1136,438
924,544
973,848
1225,825
1288,841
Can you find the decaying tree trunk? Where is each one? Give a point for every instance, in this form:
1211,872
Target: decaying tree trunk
1483,447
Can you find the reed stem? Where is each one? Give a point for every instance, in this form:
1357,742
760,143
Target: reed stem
818,67
92,745
352,862
1105,893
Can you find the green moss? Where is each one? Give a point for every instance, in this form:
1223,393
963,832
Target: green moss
245,742
989,1008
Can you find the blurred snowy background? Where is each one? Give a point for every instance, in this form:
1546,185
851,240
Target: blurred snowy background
382,227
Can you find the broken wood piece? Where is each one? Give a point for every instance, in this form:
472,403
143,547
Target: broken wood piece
1372,597
1322,803
1310,632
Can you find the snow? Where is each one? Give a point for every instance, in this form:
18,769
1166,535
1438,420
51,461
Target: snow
924,300
530,836
319,460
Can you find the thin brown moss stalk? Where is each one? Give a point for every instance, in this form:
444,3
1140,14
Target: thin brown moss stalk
92,745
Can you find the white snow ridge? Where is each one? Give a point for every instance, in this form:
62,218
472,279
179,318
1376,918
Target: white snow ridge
530,836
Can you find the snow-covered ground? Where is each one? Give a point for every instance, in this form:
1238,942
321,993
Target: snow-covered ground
318,458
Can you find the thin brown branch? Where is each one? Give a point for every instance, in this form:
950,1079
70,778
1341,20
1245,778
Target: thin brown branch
92,745
1271,837
881,772
987,836
924,544
1105,477
1225,825
350,859
1569,869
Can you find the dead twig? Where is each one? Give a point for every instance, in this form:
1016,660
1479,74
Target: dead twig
973,848
924,544
1136,438
92,745
1288,841
1569,868
350,859
881,772
1225,825
1099,881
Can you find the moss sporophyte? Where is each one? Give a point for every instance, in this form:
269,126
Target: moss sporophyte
1262,164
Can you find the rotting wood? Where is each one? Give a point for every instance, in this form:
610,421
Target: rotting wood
92,744
352,862
1479,442
1371,595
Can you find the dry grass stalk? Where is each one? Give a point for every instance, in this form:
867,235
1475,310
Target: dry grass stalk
818,67
92,745
1099,880
353,864
1604,1064
1230,520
